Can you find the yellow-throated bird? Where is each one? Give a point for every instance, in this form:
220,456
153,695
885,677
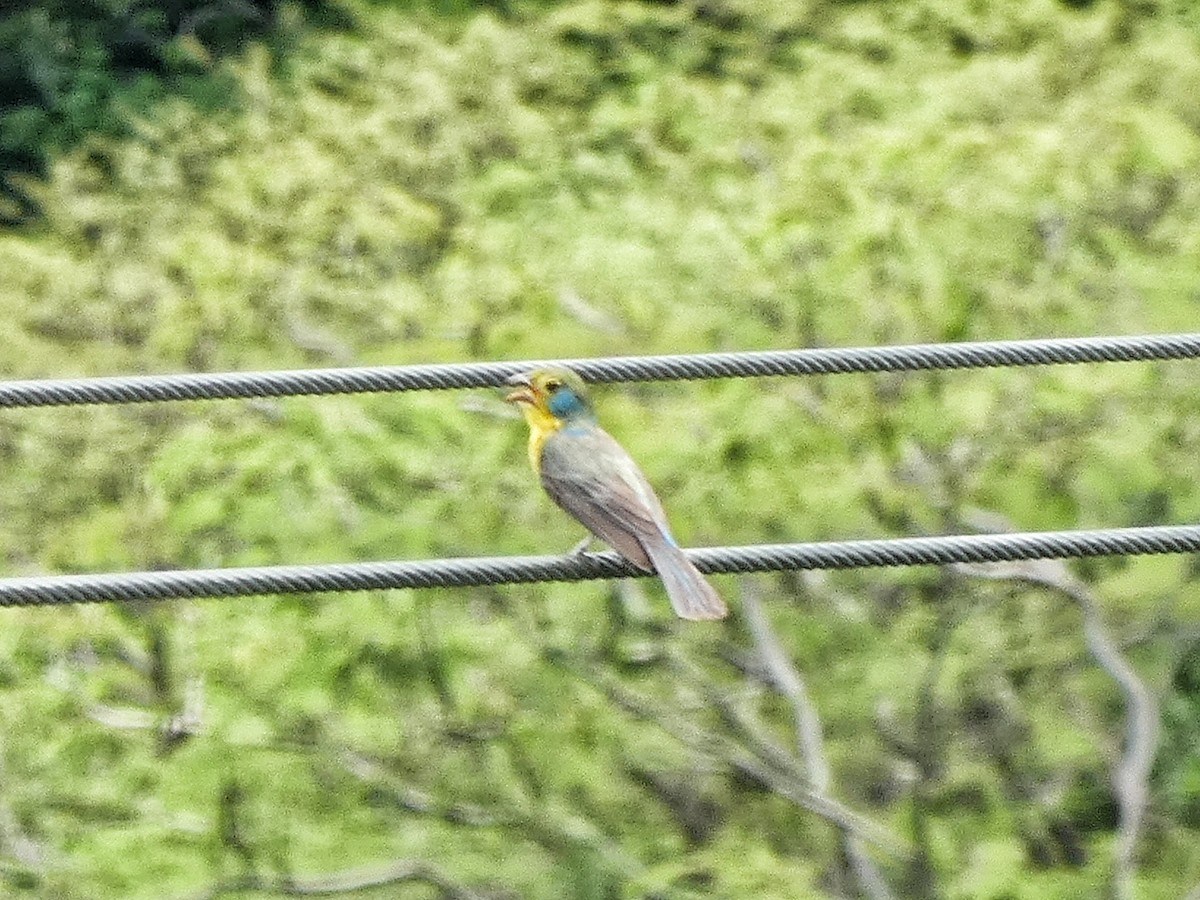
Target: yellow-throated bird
591,476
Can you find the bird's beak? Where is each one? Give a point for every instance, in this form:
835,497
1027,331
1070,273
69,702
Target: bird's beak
524,392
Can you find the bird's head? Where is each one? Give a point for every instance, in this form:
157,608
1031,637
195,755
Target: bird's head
557,394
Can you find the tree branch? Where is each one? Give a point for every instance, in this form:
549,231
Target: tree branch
786,679
346,882
413,799
784,783
547,825
1131,775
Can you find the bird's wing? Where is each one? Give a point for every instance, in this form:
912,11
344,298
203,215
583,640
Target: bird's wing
591,476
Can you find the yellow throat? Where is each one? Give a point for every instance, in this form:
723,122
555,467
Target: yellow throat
542,424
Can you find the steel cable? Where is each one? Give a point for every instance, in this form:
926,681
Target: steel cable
813,361
473,572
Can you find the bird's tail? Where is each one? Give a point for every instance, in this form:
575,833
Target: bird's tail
691,596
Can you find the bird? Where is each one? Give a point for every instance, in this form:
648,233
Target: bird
587,473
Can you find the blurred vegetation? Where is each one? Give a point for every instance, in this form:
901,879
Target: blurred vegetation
445,181
73,69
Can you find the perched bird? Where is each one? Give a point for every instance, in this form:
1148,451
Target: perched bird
591,476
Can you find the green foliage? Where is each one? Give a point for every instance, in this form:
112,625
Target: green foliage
69,70
527,180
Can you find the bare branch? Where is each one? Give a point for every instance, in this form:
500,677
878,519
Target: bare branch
189,719
586,314
413,799
346,882
786,784
14,842
1131,776
121,717
548,825
786,678
928,751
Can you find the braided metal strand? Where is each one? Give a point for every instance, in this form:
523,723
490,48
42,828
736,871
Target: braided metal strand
815,361
521,569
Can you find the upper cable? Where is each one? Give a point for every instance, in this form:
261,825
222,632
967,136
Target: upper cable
811,361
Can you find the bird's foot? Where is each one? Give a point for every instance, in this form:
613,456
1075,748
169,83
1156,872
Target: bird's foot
582,547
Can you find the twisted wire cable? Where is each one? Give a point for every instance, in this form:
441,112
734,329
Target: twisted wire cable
813,361
474,572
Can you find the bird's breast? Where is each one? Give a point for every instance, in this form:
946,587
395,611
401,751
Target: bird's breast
568,438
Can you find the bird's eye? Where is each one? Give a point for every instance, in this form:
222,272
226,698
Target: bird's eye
553,384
